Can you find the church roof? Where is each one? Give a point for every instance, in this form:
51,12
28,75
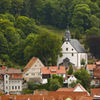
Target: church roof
75,43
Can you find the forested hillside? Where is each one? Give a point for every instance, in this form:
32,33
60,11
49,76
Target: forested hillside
22,35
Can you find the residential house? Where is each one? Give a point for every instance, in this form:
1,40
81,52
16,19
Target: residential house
47,72
50,95
95,74
95,93
10,80
32,71
96,77
90,68
72,53
77,88
69,79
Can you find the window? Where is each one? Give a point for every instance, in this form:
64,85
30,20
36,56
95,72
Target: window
66,49
15,87
72,54
9,88
18,87
33,74
6,82
6,87
96,81
72,49
12,87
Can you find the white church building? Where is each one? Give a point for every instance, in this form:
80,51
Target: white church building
72,52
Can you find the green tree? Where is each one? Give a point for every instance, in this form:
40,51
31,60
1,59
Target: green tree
81,16
59,78
54,85
5,5
70,71
73,84
84,77
93,44
26,24
47,47
93,31
3,44
83,62
16,7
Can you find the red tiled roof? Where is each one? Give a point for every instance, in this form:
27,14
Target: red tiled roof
65,89
10,71
91,66
96,72
95,91
53,70
30,63
51,96
72,89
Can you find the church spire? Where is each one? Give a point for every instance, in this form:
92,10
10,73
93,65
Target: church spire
67,34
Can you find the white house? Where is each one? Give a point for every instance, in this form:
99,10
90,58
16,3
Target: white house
72,52
47,72
70,79
32,71
10,80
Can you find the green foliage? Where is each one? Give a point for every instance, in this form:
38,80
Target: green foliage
81,16
73,84
54,85
26,91
47,47
3,44
70,71
59,78
83,62
25,24
32,85
83,76
20,18
93,43
93,32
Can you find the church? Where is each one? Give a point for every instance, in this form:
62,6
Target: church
72,53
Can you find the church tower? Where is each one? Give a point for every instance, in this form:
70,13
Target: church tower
67,35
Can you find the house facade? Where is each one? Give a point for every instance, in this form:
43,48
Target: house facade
77,88
69,79
11,80
72,52
96,77
47,72
32,71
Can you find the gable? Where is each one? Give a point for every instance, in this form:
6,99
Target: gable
78,89
67,47
34,63
72,77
